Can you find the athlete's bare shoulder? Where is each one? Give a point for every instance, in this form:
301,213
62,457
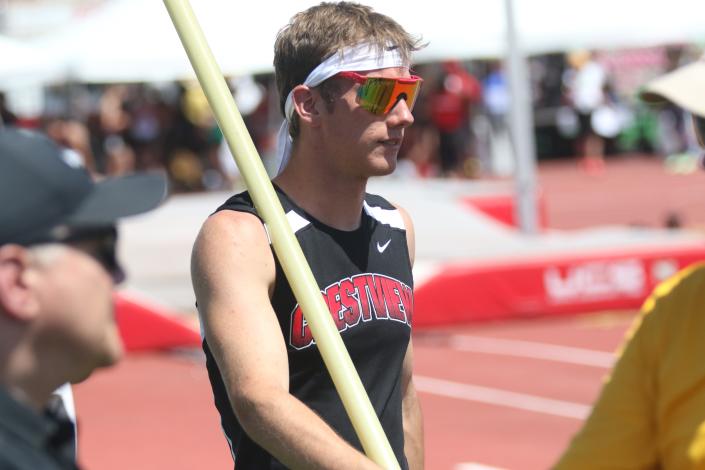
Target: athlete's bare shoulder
228,226
231,245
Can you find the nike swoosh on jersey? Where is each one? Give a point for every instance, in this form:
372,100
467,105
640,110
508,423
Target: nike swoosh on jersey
381,248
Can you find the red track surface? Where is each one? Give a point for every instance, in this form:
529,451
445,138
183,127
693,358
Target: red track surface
155,411
631,190
499,435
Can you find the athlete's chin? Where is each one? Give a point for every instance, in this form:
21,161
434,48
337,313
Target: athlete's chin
384,164
383,170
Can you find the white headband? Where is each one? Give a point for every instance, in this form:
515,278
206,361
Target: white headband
364,56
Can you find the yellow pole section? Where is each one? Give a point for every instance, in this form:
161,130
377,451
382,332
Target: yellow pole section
337,360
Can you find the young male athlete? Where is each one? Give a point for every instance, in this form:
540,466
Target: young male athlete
347,92
651,412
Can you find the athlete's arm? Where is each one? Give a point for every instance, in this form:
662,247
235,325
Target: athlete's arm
411,409
411,414
233,273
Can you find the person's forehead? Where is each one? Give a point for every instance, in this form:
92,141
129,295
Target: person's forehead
64,260
49,254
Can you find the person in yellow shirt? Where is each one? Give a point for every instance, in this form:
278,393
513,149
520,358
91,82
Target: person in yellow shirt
651,411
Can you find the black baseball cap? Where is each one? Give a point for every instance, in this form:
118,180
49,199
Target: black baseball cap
44,194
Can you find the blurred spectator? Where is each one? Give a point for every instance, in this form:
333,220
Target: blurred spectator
608,119
187,139
585,83
146,129
450,107
73,135
496,98
114,124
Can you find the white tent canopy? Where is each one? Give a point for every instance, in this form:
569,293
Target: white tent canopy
134,40
22,64
477,28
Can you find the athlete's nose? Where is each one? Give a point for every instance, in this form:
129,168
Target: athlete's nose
400,114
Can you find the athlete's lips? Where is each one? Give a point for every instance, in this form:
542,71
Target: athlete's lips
393,142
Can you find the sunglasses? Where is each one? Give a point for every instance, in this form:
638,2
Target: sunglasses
379,95
99,243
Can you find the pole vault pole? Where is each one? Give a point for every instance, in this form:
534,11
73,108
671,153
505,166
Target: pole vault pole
342,371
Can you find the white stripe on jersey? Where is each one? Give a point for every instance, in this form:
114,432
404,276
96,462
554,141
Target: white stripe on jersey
296,222
391,217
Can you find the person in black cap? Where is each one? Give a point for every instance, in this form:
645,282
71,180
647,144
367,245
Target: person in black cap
57,270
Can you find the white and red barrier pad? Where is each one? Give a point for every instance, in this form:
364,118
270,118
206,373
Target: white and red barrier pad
477,291
146,327
502,207
550,285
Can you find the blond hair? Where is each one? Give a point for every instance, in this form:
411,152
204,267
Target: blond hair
317,33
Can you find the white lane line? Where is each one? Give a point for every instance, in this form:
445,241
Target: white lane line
496,396
474,466
531,349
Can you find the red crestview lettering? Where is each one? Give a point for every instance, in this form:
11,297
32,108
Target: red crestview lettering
357,298
360,282
349,303
407,299
300,336
332,297
391,288
377,294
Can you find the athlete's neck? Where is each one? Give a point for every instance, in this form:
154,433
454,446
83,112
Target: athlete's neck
334,199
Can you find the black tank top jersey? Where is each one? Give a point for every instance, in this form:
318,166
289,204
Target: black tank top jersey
365,278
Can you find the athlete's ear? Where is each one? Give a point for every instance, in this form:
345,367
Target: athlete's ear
305,101
17,297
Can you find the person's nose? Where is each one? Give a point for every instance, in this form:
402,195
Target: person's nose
400,115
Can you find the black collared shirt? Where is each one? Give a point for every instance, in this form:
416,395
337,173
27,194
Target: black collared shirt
29,441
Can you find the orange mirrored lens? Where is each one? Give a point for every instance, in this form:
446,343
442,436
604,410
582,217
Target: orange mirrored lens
380,95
